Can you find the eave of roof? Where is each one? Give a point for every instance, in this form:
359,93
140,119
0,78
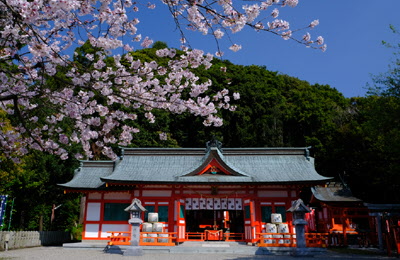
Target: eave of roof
333,194
256,166
89,174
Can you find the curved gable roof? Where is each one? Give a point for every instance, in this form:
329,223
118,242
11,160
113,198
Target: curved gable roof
213,153
187,166
245,165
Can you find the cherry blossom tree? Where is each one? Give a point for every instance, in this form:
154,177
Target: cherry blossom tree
53,101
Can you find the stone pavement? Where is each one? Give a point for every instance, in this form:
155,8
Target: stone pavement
62,253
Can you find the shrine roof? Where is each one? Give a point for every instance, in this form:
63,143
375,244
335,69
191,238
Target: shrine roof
88,175
334,192
187,165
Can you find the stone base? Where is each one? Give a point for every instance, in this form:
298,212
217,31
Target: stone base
302,252
133,251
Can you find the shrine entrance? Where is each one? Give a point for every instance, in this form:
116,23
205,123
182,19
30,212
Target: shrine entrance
215,225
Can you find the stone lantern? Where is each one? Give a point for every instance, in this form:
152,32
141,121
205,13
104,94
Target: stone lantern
299,211
135,209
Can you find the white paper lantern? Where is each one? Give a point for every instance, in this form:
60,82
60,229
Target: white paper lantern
188,204
195,203
231,203
202,203
210,203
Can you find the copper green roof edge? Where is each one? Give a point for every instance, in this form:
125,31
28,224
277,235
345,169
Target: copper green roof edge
86,178
158,151
198,152
306,172
332,194
303,182
289,150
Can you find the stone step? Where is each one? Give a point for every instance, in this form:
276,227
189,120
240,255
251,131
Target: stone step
237,248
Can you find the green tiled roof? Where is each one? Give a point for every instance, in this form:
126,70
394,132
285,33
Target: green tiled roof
181,165
88,175
334,192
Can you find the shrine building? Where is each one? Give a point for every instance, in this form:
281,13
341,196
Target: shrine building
193,190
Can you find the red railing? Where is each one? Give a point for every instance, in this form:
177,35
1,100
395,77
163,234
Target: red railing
289,239
237,237
195,236
277,240
146,238
157,238
203,236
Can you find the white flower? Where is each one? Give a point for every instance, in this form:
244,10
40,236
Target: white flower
307,37
320,40
218,34
163,136
291,3
235,47
314,23
219,54
275,13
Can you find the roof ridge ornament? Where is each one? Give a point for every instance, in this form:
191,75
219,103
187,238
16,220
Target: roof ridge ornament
214,143
307,152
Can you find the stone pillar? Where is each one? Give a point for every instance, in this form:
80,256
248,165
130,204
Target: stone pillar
379,230
299,225
299,210
135,209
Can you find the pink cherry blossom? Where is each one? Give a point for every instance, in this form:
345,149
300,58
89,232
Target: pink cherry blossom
235,47
307,37
291,3
97,98
314,23
320,40
163,136
275,13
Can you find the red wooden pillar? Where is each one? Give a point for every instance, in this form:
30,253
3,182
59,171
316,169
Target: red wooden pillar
344,225
180,221
250,228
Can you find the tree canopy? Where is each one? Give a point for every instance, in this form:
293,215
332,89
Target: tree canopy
59,97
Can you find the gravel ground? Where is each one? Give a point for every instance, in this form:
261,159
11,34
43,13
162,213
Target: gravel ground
60,253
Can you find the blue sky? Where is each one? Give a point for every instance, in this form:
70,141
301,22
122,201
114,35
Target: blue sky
353,31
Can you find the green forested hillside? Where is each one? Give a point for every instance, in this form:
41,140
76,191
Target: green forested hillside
353,139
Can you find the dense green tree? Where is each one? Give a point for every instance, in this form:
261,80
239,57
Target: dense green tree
32,184
368,150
